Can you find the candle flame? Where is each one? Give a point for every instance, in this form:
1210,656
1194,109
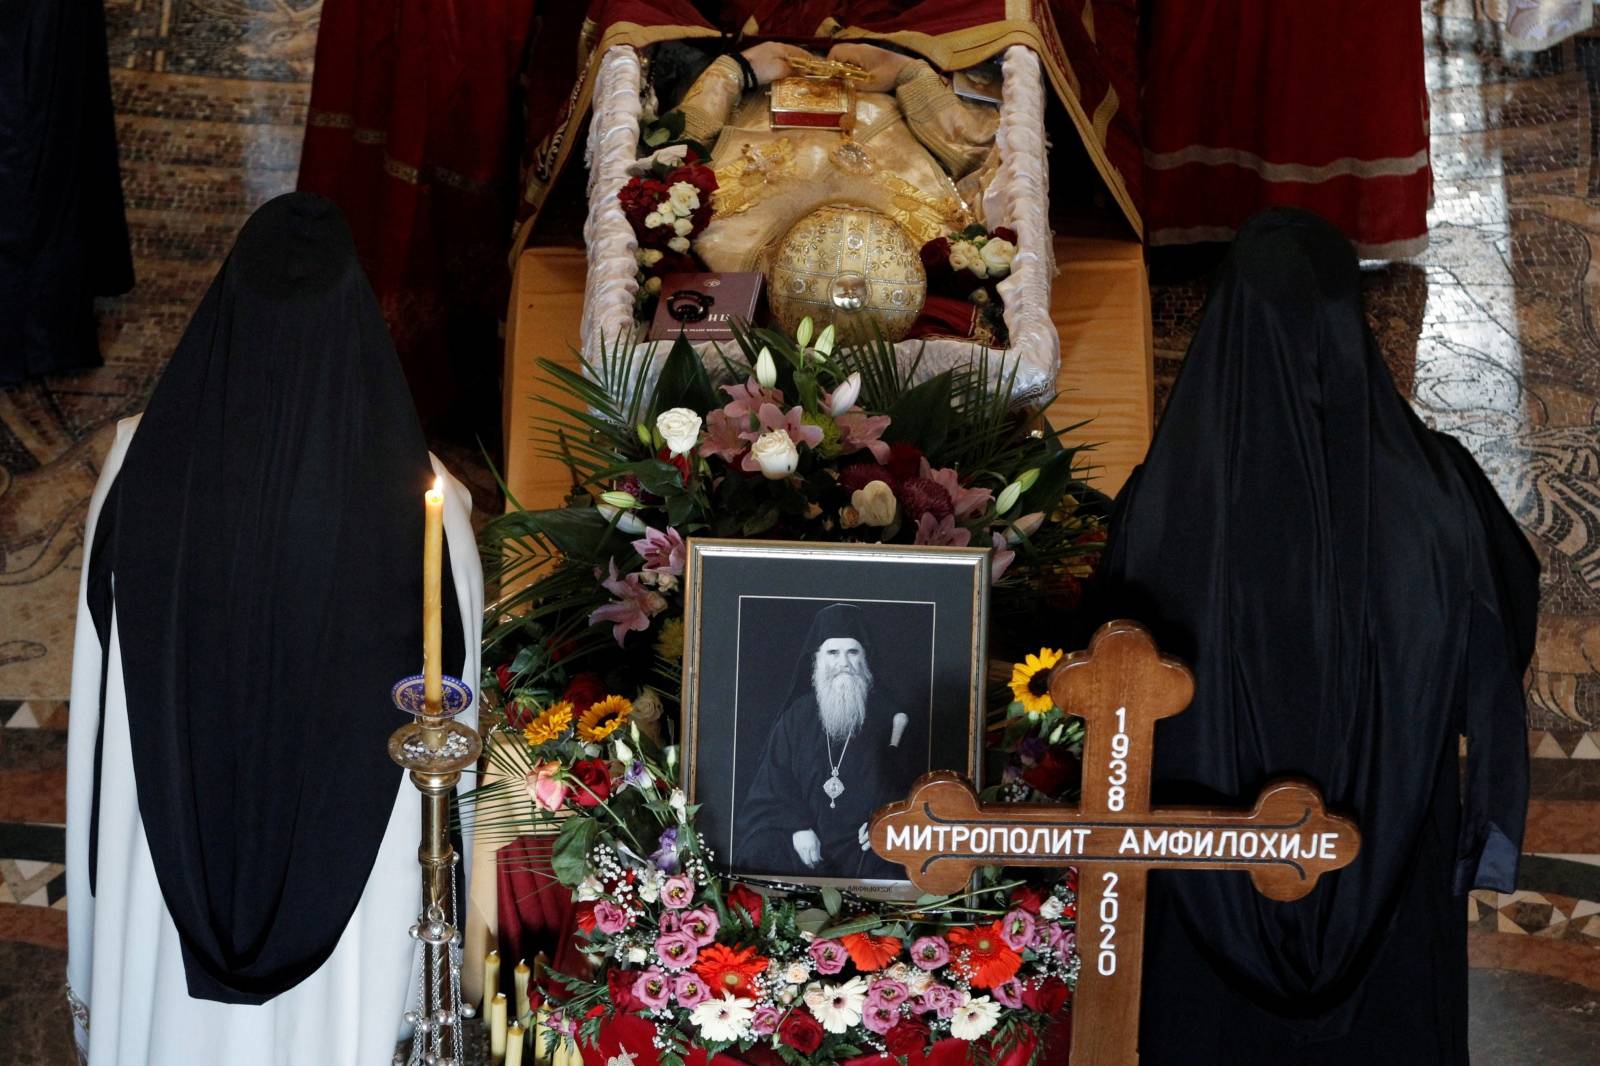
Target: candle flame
437,492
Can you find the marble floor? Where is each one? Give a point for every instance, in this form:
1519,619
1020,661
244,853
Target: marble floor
1494,333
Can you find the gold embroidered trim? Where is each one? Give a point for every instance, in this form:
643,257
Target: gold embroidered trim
1103,113
1349,166
744,180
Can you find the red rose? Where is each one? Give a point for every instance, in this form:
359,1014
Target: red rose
639,197
1004,233
521,711
502,677
679,461
801,1031
748,900
908,1037
1028,897
583,915
584,690
703,178
1046,998
905,460
595,777
1054,772
620,983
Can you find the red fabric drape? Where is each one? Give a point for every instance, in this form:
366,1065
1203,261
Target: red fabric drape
534,909
1316,104
414,131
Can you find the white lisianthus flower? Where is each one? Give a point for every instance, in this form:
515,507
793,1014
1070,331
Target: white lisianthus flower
637,956
875,504
678,802
650,882
682,227
588,889
974,1018
649,256
776,454
685,198
679,245
766,369
814,995
723,1019
797,973
845,396
997,255
839,1007
787,996
680,428
1052,908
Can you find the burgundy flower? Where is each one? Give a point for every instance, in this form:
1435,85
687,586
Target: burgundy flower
1047,997
1004,233
583,690
594,777
801,1031
924,496
905,460
910,1037
1054,773
858,476
748,900
1028,898
620,983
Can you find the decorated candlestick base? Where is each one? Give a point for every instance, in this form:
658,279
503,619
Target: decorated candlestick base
435,749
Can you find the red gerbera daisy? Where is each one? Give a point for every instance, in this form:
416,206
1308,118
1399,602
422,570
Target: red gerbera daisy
982,954
871,953
730,971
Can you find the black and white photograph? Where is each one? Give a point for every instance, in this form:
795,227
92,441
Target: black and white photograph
822,681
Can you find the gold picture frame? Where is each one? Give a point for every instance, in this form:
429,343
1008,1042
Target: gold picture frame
934,600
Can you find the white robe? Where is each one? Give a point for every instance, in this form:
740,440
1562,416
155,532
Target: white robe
124,962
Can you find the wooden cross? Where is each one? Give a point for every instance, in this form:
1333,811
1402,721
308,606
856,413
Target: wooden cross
1120,687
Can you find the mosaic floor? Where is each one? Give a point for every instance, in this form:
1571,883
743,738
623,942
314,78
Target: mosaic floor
1495,332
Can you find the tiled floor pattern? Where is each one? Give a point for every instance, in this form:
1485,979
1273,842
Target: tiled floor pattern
1493,332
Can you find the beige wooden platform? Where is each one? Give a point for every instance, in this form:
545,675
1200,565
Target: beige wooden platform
1100,304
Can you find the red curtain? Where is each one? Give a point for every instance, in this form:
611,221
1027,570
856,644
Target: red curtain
1315,104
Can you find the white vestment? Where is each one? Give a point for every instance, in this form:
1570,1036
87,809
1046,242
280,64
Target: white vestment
124,961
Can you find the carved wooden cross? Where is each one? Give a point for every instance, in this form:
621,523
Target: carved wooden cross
1120,687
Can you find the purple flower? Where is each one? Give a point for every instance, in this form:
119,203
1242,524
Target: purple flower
663,553
1018,931
1059,940
678,892
690,991
858,430
610,918
939,999
1031,749
637,776
559,1021
677,950
1009,993
889,992
701,923
829,955
930,952
939,532
765,1020
880,1017
653,987
633,608
666,854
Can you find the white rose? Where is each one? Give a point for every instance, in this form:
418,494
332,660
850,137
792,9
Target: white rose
680,428
776,454
682,227
875,504
650,256
1052,908
679,244
685,198
589,888
637,956
797,973
652,285
965,256
997,255
647,708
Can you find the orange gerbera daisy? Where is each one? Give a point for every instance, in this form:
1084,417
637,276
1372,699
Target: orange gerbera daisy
982,954
730,971
603,718
550,724
870,953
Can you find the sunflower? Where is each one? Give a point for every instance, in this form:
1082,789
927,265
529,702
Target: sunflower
669,645
603,718
549,725
1030,680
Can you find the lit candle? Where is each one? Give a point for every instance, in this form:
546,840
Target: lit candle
432,568
497,1026
491,980
514,1045
520,975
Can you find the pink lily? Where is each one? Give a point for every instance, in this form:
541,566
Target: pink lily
722,437
792,422
968,502
858,430
1000,561
942,532
634,607
663,553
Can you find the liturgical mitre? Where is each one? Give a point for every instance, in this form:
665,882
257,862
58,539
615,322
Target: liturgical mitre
850,266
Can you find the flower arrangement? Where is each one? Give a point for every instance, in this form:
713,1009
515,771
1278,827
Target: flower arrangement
969,266
804,438
668,204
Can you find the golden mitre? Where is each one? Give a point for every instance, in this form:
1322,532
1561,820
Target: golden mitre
850,266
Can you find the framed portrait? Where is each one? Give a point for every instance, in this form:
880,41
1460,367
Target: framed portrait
820,681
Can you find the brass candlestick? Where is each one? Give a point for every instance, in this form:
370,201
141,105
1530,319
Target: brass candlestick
435,748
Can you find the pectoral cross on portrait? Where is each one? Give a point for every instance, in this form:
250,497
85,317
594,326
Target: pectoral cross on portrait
1120,687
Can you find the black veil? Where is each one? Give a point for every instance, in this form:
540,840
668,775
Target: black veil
1352,595
261,548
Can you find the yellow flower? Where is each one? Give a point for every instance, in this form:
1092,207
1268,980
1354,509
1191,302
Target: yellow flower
549,725
1030,680
669,645
603,718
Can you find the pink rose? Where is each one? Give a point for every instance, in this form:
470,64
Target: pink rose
653,987
829,955
609,918
545,788
939,999
701,923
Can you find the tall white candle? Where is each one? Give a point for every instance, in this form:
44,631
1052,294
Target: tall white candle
497,1026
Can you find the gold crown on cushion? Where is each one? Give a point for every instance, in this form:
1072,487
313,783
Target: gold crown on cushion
850,266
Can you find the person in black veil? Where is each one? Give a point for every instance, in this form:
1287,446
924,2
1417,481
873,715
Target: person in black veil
1353,598
241,848
63,234
842,747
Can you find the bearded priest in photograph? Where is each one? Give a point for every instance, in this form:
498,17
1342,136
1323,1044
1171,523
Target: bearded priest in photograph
842,747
